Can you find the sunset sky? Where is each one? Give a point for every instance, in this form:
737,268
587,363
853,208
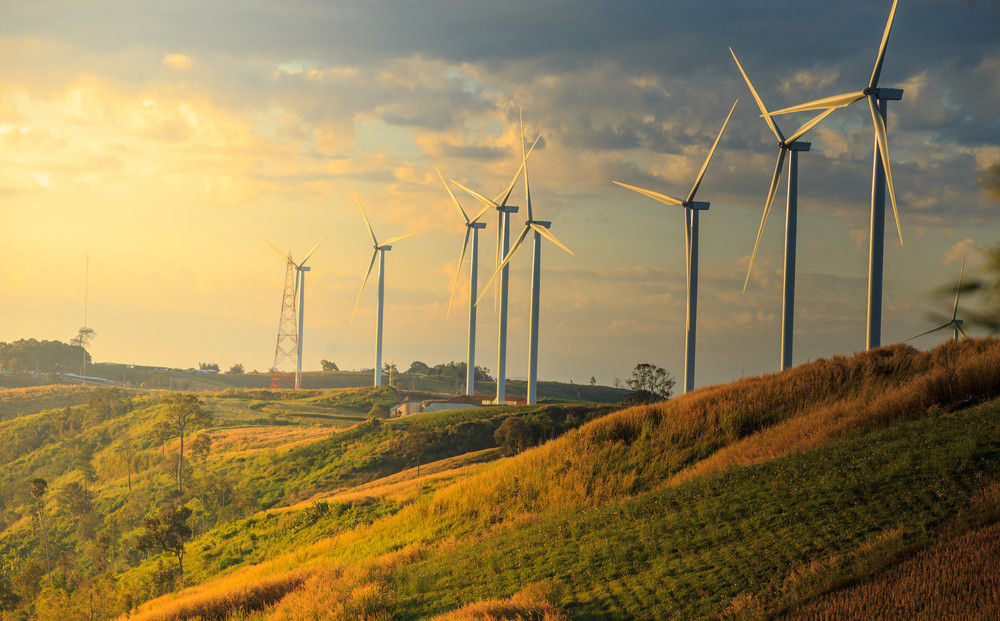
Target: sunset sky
161,139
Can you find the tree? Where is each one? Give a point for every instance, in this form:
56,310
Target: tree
166,532
236,369
38,489
181,412
593,380
328,366
84,463
649,383
378,411
418,367
512,435
414,443
201,445
126,448
81,340
208,366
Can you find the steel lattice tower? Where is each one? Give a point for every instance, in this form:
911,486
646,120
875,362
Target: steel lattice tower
287,348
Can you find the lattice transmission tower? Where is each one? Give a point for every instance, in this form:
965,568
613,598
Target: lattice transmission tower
286,352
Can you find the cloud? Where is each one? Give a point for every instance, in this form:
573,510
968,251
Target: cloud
177,61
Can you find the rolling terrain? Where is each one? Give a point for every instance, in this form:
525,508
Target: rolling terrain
860,487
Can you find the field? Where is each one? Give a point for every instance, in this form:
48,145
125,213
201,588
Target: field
862,487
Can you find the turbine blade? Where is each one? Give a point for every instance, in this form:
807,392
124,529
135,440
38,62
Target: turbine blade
502,198
480,215
458,272
941,327
392,240
506,260
663,198
547,234
711,152
760,103
364,215
836,101
275,248
767,210
452,195
476,195
873,82
883,150
303,262
809,125
958,292
959,328
363,284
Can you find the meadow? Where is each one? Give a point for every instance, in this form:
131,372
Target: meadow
853,487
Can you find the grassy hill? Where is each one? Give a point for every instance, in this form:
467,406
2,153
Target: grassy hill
862,487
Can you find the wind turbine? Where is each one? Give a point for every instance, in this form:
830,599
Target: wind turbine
379,253
691,209
503,242
786,146
299,291
472,228
541,229
881,176
955,322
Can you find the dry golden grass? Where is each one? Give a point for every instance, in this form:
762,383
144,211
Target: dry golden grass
222,603
16,401
404,486
237,440
535,602
964,371
956,579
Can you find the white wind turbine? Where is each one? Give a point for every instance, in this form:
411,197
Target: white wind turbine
541,229
881,176
503,242
378,253
300,293
691,209
472,228
955,322
790,146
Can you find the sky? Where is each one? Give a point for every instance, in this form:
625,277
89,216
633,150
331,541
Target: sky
145,147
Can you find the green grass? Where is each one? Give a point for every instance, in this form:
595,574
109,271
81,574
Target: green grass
687,552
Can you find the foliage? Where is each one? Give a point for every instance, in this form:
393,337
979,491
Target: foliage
418,367
166,531
512,435
182,411
329,366
236,369
31,356
378,411
208,366
83,337
649,384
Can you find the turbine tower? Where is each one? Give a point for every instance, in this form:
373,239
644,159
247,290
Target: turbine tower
955,322
691,209
379,253
541,229
472,228
791,147
503,243
290,329
878,99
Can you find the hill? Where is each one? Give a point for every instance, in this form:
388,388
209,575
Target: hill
864,487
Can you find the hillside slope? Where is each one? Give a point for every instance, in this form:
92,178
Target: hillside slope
756,499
